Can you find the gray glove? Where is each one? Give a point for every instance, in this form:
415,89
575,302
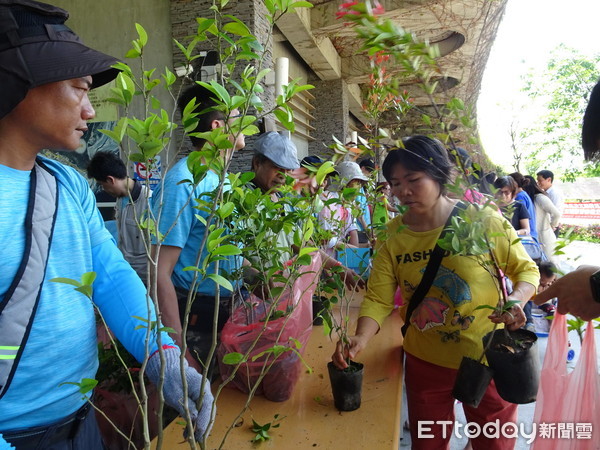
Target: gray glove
173,389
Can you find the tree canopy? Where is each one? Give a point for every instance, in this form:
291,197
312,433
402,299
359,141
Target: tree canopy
550,123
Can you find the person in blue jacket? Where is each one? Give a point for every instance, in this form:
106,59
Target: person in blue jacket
524,198
50,228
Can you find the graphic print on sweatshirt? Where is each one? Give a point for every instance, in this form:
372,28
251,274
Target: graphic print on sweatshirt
432,312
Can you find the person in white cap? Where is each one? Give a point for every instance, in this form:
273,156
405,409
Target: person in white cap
276,155
50,228
352,176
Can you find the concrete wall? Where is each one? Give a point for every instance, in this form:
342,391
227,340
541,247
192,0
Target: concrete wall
109,26
331,114
184,13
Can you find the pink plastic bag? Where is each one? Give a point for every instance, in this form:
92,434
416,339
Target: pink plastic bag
567,411
247,324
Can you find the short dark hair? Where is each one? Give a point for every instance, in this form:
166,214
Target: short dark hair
519,178
531,187
204,102
421,154
547,268
506,181
106,164
546,174
368,164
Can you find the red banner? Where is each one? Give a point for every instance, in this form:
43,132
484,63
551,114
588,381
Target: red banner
584,210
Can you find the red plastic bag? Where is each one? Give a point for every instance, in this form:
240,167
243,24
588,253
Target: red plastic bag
247,328
567,411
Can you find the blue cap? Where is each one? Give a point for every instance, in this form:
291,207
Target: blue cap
312,160
279,149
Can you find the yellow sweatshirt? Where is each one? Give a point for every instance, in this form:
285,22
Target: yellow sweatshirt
444,327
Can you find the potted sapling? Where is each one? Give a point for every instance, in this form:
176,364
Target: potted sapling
346,384
511,355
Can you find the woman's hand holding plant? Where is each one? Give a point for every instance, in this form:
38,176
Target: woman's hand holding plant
349,346
352,279
347,351
513,318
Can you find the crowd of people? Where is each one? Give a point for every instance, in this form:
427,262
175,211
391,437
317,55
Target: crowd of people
61,235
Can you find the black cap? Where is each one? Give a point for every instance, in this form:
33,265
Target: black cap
37,48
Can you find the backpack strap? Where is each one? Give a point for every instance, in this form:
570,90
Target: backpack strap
20,302
433,265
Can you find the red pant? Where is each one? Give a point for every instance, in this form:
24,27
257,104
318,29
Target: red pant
429,395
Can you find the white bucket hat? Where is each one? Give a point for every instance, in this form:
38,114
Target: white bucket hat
349,171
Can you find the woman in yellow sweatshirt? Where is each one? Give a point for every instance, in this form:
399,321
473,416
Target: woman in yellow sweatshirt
445,326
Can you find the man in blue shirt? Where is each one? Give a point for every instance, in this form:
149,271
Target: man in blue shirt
48,340
175,206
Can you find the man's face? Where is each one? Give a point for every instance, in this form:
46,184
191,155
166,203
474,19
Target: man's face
240,141
544,183
55,115
269,176
114,186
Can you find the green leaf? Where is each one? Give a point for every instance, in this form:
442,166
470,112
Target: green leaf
66,281
304,260
286,118
227,250
509,304
226,210
142,34
88,278
250,130
301,4
85,290
86,385
218,90
133,53
237,28
306,250
233,358
166,330
143,319
297,344
485,307
221,281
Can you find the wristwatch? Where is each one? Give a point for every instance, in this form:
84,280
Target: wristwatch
595,284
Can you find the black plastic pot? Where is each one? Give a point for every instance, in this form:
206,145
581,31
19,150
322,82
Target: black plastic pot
517,374
472,380
346,385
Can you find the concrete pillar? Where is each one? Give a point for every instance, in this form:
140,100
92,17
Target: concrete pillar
331,114
253,14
